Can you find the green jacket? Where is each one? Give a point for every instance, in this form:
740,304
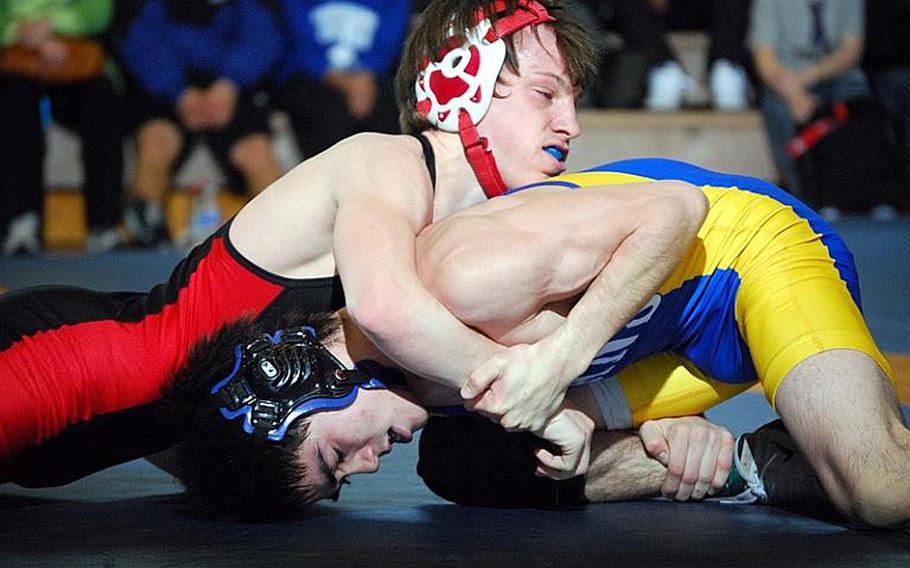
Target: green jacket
69,17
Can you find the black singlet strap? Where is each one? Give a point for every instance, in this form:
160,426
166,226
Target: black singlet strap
429,156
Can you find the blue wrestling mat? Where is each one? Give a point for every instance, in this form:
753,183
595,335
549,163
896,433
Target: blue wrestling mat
131,515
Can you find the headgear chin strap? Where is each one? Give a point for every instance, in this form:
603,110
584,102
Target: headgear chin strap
455,92
279,378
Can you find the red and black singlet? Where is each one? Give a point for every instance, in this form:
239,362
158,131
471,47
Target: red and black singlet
81,370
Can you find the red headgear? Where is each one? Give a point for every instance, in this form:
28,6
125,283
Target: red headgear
455,92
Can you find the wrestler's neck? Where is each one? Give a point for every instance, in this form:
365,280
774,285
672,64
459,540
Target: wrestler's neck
456,185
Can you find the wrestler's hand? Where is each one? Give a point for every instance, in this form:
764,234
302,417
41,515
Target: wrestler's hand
519,387
570,431
698,455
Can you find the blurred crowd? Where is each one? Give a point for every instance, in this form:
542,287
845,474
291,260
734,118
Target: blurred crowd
164,75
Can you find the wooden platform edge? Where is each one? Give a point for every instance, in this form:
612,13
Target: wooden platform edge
901,365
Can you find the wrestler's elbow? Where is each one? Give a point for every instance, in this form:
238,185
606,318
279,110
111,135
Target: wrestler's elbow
881,510
383,315
691,203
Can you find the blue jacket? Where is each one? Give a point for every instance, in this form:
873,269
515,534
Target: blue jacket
242,42
342,35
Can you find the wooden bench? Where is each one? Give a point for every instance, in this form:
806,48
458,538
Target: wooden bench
733,142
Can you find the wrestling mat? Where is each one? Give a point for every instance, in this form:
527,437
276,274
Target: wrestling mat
132,515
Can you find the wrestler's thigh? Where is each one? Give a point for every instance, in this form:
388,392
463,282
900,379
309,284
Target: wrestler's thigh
795,306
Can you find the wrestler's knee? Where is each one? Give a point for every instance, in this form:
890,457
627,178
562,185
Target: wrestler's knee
471,461
878,494
842,410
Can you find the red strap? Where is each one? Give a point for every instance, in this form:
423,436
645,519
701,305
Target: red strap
810,136
480,157
527,13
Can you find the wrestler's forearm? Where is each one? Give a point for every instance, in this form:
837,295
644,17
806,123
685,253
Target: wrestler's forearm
388,301
637,268
423,337
620,469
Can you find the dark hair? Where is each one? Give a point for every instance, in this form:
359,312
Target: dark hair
228,473
428,38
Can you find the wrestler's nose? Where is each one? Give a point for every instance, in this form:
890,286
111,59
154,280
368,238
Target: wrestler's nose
566,122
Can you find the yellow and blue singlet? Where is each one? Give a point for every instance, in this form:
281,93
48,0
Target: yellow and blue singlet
766,284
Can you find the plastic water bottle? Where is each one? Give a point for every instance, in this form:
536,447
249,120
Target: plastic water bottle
205,216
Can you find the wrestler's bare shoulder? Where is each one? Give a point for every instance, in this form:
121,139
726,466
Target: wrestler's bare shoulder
288,228
383,164
370,161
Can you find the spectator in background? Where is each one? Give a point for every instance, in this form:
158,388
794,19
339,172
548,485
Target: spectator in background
806,52
887,58
335,77
643,26
197,66
51,48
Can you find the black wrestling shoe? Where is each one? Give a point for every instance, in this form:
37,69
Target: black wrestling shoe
776,473
146,224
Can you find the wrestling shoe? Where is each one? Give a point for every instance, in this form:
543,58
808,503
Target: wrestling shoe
831,214
884,212
146,224
775,472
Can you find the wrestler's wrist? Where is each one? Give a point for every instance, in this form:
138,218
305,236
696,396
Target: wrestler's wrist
569,346
565,363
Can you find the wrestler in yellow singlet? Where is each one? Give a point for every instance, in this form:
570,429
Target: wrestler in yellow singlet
766,284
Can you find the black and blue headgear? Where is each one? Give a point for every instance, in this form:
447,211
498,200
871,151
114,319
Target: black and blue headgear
280,377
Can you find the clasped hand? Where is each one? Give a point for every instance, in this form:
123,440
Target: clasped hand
569,432
519,387
698,455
